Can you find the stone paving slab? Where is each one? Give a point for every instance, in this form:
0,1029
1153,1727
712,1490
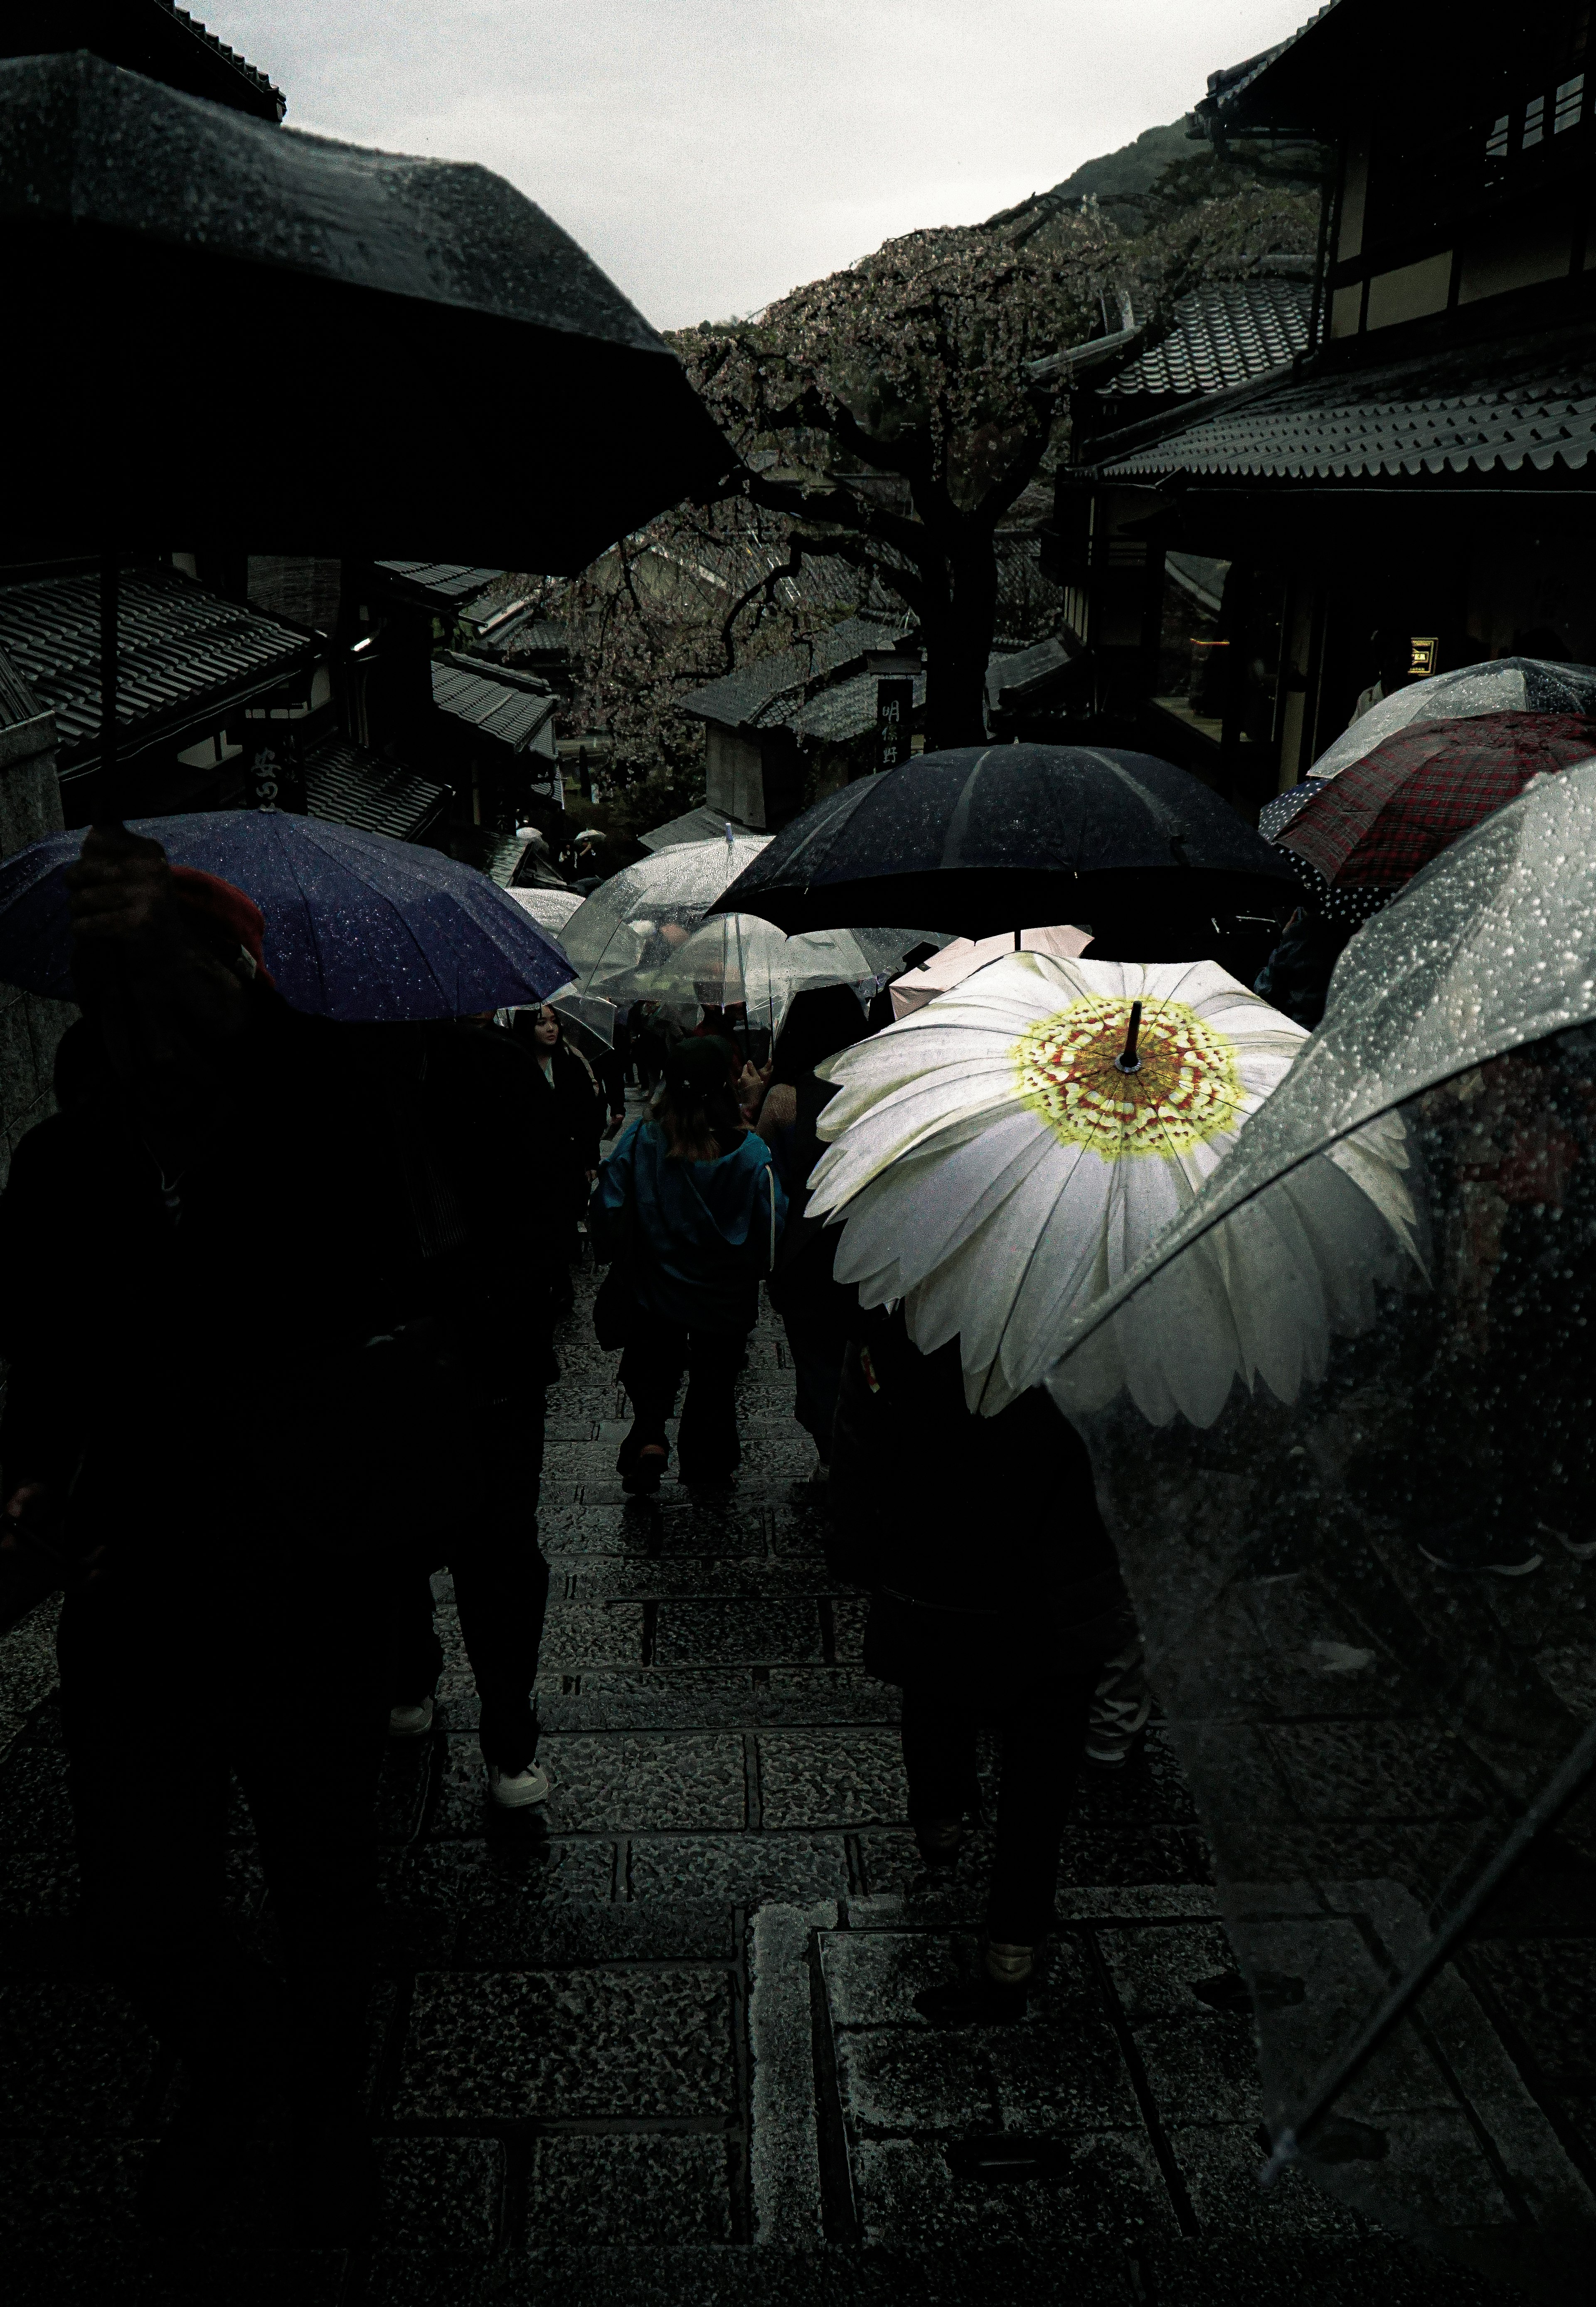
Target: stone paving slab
565,2043
688,1632
639,2188
629,1781
605,2038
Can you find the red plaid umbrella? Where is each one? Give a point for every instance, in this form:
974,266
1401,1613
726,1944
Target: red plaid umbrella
1387,816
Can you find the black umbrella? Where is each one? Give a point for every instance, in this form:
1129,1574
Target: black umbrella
251,332
986,837
245,330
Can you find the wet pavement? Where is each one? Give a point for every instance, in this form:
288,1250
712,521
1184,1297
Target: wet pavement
663,2046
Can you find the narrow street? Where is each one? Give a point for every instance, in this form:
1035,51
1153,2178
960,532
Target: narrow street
667,2048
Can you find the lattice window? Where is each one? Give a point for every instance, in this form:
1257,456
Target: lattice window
1570,104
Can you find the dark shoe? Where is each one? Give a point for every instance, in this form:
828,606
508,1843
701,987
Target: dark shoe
643,1476
1465,1546
1010,1966
194,2166
706,1478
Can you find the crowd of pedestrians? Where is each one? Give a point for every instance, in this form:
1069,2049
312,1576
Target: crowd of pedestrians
310,1344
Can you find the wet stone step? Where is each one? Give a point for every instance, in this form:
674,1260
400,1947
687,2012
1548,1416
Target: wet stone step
568,2043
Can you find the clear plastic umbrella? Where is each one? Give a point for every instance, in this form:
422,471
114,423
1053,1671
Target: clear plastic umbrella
1507,684
645,935
551,909
1367,1575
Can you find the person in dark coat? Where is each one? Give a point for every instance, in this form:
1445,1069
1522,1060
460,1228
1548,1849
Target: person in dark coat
688,1211
480,1131
218,1423
995,1598
817,1311
578,1110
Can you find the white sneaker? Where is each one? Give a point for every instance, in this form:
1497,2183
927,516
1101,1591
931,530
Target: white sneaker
410,1721
515,1792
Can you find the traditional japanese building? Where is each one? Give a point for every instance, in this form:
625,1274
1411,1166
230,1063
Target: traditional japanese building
196,672
1411,488
784,729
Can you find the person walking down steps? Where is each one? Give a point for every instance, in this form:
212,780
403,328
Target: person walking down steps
687,1215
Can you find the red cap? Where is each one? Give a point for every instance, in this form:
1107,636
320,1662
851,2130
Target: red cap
219,901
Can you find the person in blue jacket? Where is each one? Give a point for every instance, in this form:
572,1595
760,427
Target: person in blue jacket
687,1213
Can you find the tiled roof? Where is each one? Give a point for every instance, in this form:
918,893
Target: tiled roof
18,703
1228,88
508,707
848,710
1505,408
1224,334
346,785
446,582
1016,678
259,82
542,637
769,691
184,653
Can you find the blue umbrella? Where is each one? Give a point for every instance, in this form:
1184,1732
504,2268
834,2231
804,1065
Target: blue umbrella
358,926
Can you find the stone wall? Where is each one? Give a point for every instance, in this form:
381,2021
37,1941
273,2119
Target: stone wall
29,1028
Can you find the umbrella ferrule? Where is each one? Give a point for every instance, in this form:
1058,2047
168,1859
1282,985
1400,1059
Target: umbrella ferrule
1127,1061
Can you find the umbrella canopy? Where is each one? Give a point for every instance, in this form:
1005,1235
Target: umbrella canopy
1508,684
738,957
633,924
553,908
1369,1587
1001,1156
358,926
127,208
984,837
1383,817
961,958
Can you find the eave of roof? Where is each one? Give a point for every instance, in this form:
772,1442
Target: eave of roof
347,784
511,710
156,37
1510,408
1287,89
186,656
744,698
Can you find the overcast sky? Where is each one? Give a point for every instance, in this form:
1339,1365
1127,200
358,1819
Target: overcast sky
711,154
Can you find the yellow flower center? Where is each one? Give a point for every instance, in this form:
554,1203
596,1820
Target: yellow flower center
1185,1091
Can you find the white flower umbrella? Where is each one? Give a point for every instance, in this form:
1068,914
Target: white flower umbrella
1004,1156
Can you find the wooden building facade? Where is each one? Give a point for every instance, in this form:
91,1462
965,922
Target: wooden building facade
1412,489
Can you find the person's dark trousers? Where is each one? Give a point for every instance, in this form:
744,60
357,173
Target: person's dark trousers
818,1347
707,1444
274,1672
1043,1733
501,1592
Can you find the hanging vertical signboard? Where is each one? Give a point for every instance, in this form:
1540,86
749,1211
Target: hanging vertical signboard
276,772
895,705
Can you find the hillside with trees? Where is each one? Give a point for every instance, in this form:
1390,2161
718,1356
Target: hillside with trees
897,425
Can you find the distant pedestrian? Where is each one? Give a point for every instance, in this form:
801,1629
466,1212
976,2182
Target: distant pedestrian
689,1213
817,1311
480,1137
995,1598
578,1121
